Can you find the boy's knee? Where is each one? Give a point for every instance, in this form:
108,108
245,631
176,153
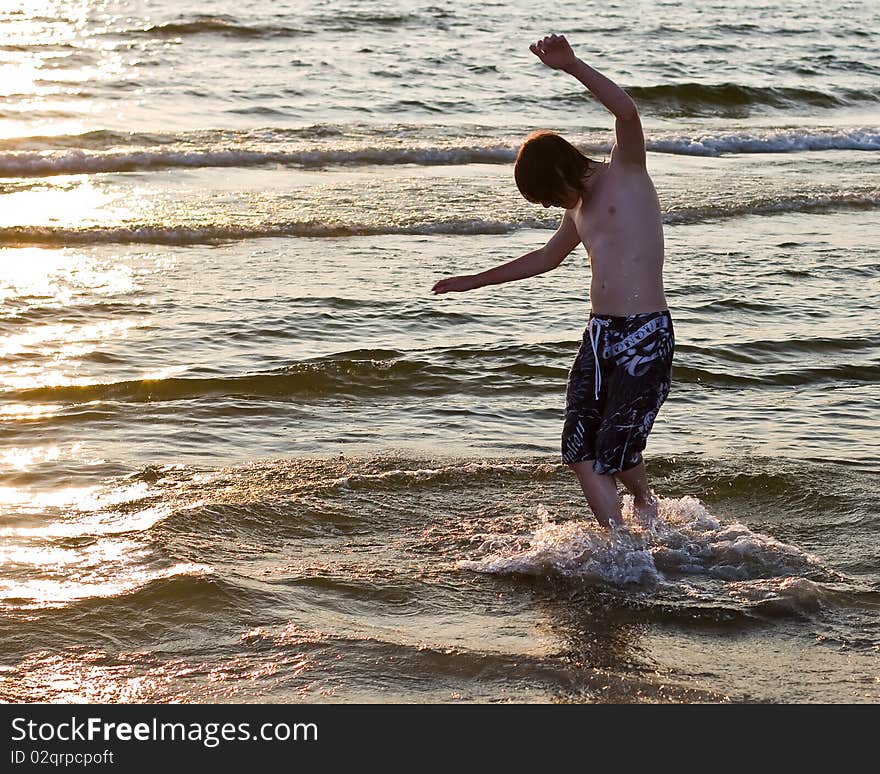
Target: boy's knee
584,469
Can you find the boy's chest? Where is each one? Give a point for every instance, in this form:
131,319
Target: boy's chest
599,213
617,207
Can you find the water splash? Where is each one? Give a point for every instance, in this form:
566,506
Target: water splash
684,539
575,549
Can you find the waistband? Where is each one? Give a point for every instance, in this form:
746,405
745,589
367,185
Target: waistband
625,332
630,319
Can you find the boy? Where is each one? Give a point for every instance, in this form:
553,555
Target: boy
621,374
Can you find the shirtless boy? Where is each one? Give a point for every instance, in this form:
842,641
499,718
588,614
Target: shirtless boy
621,374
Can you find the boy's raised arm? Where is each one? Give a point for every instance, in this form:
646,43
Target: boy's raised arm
555,52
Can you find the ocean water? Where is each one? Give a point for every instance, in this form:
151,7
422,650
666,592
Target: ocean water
247,456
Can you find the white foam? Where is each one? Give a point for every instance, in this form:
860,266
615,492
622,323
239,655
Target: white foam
687,539
684,539
575,549
77,161
382,151
785,593
789,141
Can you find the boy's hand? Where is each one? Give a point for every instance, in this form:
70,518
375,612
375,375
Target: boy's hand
554,51
454,285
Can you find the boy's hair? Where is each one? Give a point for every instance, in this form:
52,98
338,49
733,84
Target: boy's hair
548,168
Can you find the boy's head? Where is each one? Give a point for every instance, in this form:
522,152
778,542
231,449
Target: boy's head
550,170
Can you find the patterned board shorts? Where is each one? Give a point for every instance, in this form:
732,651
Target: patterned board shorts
619,380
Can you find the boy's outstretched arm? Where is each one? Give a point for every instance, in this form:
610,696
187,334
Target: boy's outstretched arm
555,52
536,262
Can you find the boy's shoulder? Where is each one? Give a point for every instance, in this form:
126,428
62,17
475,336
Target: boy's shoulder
619,161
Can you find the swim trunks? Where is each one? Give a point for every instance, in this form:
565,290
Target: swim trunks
617,383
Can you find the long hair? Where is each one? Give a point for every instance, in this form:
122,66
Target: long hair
548,168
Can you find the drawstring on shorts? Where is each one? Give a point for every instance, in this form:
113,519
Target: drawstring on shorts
595,329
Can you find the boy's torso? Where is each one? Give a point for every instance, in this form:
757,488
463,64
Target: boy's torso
620,224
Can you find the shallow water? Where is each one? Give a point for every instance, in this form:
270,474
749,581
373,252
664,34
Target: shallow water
248,457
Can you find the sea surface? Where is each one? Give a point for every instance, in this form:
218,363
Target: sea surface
247,456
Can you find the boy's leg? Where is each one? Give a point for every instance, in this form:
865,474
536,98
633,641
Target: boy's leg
644,500
582,418
637,386
601,493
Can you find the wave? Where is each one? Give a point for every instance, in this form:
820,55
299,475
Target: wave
231,27
44,593
356,21
216,233
812,204
407,478
99,152
109,139
368,373
108,151
213,234
97,139
341,376
282,517
736,99
756,352
227,26
787,141
312,496
78,162
388,472
861,373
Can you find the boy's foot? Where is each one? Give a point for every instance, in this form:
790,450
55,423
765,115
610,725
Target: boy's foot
646,510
